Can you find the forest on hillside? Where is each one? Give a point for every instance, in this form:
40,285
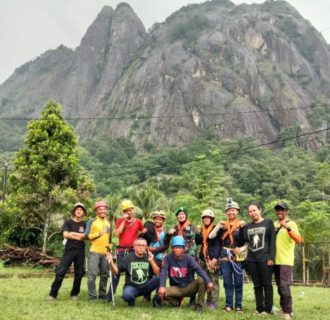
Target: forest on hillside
199,175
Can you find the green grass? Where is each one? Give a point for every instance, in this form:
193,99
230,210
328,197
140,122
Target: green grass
22,299
25,269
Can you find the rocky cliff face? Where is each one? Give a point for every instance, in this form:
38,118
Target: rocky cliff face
234,70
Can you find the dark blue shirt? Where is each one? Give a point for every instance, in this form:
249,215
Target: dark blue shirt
181,271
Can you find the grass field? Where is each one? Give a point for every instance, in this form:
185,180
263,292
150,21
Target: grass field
22,299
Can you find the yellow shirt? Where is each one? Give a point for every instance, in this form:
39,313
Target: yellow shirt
93,229
285,244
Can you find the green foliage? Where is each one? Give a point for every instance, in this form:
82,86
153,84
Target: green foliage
47,178
287,133
319,115
189,28
148,199
13,133
289,26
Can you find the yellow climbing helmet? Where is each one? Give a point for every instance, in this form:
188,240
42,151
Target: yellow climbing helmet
126,204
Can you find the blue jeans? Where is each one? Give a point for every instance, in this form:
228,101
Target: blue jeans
131,292
232,281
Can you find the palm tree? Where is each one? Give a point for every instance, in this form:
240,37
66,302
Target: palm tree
148,199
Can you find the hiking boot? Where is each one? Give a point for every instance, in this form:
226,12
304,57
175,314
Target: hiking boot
51,298
198,308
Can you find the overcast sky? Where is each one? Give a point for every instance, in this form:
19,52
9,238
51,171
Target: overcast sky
30,27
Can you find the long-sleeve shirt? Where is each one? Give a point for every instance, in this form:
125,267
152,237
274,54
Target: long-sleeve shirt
181,271
214,246
93,229
238,237
261,239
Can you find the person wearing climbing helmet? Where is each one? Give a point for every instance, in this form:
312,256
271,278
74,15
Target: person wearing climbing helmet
98,232
128,229
209,255
231,233
180,267
156,235
74,233
185,229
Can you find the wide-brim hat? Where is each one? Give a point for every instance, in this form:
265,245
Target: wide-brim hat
79,205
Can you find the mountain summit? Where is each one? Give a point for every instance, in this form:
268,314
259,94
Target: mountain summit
253,70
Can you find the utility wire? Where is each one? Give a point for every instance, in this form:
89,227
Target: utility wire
215,156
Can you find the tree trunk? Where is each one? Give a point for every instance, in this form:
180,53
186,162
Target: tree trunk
324,270
303,263
45,232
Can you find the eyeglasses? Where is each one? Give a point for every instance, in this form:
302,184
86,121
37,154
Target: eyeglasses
140,245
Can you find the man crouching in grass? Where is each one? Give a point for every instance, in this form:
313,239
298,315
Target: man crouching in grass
180,268
139,267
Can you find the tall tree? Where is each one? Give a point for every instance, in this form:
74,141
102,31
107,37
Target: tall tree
48,174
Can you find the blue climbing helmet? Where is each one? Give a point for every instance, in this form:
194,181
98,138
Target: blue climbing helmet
178,241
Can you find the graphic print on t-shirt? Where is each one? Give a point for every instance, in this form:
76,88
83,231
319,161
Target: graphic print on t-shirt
256,238
178,272
139,272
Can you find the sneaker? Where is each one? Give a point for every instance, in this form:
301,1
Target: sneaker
51,298
264,313
238,310
156,302
74,298
227,309
286,316
198,308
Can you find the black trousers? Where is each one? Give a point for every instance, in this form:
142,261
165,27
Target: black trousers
77,257
261,275
283,276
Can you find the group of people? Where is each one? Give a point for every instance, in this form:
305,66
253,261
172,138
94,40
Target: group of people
198,256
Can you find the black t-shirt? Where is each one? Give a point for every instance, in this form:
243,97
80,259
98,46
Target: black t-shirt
138,270
72,226
261,239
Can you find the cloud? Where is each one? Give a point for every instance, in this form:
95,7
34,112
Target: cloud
29,28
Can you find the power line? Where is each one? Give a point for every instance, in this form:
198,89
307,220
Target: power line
214,156
137,118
